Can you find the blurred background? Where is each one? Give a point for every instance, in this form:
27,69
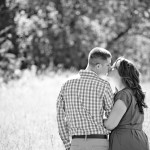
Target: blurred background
44,42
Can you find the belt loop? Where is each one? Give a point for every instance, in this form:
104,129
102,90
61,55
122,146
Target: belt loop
85,137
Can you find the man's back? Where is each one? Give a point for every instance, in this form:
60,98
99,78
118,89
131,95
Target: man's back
85,98
81,104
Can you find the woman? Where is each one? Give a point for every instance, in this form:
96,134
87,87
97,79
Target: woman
127,115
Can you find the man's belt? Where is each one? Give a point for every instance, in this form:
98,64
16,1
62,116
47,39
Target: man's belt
92,136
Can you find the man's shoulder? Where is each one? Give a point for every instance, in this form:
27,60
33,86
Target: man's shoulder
103,81
73,78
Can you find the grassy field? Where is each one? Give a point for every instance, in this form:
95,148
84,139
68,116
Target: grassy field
28,113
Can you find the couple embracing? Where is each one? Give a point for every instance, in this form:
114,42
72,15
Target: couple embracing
82,102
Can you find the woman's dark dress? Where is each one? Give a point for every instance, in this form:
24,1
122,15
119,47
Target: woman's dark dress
128,135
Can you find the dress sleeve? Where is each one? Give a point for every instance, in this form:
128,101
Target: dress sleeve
123,96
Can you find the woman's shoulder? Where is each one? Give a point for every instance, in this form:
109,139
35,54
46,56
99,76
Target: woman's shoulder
126,91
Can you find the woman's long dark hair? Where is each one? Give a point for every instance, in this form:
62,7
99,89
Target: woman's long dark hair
130,77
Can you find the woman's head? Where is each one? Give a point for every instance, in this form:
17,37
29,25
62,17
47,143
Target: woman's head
124,71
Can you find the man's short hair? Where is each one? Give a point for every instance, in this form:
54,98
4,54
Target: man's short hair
98,55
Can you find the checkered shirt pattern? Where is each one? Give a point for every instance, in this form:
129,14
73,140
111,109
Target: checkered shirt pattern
81,105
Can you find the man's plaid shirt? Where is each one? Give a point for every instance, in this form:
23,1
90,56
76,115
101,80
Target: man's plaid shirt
81,104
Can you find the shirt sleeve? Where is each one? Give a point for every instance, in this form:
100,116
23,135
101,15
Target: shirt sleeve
108,100
61,120
123,96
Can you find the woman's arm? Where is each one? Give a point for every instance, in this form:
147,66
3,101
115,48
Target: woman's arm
116,114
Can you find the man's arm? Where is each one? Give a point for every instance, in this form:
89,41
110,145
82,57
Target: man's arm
61,119
108,99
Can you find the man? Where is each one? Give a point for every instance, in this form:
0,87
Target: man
81,104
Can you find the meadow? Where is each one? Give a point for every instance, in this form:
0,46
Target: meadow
28,112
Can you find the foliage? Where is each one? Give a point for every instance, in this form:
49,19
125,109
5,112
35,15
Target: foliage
60,33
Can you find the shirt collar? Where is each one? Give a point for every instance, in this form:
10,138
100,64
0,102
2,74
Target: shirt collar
87,74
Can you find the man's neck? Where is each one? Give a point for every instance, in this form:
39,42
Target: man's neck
88,68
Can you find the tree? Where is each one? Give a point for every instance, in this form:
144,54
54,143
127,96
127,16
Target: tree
61,32
9,49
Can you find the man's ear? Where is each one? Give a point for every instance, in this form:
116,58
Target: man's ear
98,66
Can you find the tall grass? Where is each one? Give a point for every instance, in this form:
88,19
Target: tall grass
28,114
